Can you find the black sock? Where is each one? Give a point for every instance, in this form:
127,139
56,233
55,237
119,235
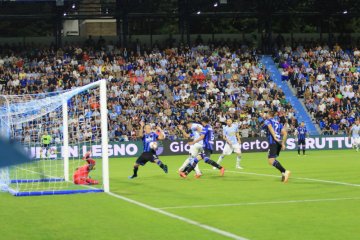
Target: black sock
189,169
161,165
299,150
303,150
213,163
186,168
135,171
278,166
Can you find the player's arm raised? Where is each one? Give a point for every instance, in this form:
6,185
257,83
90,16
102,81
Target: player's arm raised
161,133
284,134
141,130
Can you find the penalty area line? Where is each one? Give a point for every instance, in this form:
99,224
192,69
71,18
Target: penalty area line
183,219
262,203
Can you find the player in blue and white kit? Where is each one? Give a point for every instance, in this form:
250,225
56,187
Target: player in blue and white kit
354,133
276,135
232,138
149,154
196,148
207,136
301,133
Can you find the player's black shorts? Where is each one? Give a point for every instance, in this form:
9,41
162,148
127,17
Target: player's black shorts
146,157
301,141
45,145
206,153
274,150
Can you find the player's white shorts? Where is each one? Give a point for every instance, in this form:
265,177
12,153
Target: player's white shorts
229,149
355,140
196,149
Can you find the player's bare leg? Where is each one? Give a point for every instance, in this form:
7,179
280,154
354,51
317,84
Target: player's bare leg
285,174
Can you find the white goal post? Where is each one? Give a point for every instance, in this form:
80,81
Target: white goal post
57,129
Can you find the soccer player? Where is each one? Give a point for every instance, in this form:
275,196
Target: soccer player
149,154
81,175
354,133
232,138
45,142
195,149
207,137
276,135
301,133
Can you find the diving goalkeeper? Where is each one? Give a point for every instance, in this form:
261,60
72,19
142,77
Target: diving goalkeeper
81,175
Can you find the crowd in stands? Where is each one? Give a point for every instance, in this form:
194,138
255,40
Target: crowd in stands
160,87
328,81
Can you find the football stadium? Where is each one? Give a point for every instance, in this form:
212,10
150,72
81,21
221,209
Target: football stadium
178,119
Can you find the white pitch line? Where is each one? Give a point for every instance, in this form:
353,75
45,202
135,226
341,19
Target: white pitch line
298,178
189,221
262,203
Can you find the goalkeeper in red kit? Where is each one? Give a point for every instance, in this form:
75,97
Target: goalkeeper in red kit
81,175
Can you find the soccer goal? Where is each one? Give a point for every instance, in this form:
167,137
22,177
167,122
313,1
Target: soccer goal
57,130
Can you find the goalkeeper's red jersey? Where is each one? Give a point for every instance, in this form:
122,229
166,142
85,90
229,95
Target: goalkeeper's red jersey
81,173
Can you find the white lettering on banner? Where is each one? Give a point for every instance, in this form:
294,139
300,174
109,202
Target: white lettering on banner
290,144
310,143
73,151
174,147
323,143
187,147
340,142
264,144
219,145
252,145
119,149
258,143
96,151
245,146
348,142
110,150
131,149
330,141
123,149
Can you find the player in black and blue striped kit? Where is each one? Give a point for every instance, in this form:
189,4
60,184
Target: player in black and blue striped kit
207,136
276,135
301,134
149,154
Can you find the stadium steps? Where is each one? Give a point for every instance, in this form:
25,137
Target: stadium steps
300,111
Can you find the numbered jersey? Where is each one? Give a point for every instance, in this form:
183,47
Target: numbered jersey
277,129
208,133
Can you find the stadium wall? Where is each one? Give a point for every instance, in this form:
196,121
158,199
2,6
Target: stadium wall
180,147
253,38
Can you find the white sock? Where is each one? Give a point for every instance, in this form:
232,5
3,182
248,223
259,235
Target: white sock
197,169
220,159
238,159
187,161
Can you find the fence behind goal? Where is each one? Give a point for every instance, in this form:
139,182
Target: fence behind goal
46,125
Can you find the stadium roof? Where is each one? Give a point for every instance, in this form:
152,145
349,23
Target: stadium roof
85,9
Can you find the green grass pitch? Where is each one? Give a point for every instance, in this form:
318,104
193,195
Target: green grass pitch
321,201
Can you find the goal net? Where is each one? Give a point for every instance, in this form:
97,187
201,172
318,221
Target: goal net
65,136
